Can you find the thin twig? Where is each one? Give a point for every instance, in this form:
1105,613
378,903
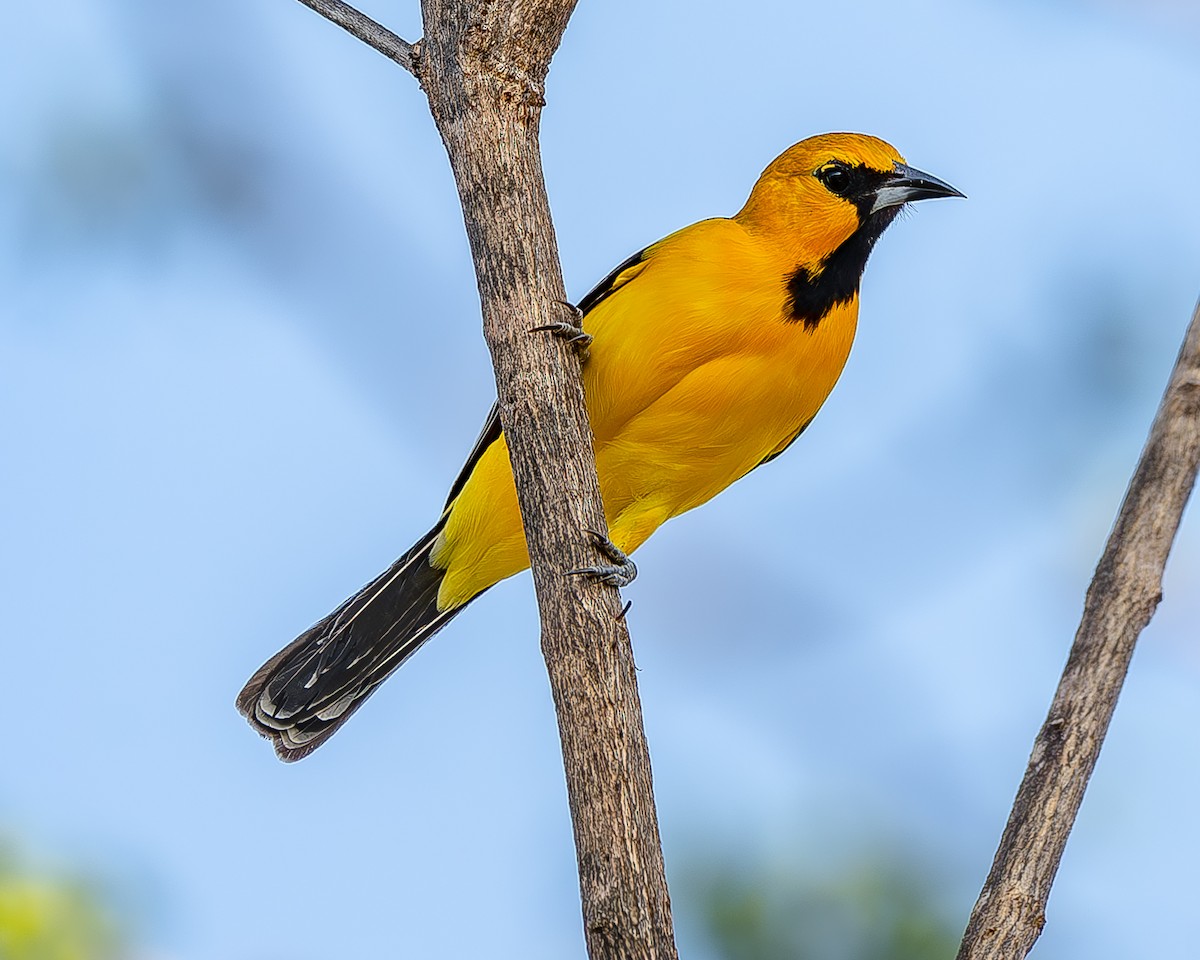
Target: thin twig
1123,595
367,30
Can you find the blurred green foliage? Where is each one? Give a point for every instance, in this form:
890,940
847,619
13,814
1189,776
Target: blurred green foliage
877,910
51,917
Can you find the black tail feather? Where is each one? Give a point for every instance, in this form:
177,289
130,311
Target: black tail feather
300,697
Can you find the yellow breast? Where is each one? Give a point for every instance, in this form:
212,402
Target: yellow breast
697,374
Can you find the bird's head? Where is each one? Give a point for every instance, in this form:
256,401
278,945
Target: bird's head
825,190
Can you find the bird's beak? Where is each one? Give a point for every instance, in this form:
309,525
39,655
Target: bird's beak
907,184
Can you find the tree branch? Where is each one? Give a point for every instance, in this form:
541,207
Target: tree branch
367,30
483,66
1123,595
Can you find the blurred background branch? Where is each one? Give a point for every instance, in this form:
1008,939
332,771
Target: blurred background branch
1121,599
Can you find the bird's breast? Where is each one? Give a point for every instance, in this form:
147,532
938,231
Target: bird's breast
713,306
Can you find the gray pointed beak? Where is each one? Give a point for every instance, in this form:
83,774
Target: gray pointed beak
907,184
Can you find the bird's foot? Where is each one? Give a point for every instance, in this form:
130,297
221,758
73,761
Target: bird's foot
573,333
620,571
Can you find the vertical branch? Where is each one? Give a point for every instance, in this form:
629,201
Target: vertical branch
483,65
1123,595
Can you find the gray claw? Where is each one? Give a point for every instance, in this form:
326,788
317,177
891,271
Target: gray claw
568,331
620,572
575,311
573,333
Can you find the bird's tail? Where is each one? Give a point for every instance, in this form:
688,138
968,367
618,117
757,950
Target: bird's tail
300,697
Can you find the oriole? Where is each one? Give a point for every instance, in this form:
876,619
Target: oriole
711,351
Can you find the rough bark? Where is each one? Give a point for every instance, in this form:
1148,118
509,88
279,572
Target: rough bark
483,66
1124,593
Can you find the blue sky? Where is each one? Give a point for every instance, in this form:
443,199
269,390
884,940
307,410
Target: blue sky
242,362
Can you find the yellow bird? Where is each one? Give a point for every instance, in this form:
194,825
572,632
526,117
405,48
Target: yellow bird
710,352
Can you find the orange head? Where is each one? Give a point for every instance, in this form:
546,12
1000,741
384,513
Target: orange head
823,203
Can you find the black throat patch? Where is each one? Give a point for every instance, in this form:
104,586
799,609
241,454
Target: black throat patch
812,293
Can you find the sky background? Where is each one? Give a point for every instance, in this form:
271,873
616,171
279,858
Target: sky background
242,362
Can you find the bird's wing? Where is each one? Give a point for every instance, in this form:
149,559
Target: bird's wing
625,271
783,446
487,436
621,275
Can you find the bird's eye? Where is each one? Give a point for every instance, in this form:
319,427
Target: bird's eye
836,176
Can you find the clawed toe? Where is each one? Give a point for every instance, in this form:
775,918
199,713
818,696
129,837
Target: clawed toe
619,572
573,333
568,331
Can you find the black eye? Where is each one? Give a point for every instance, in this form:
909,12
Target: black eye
836,176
